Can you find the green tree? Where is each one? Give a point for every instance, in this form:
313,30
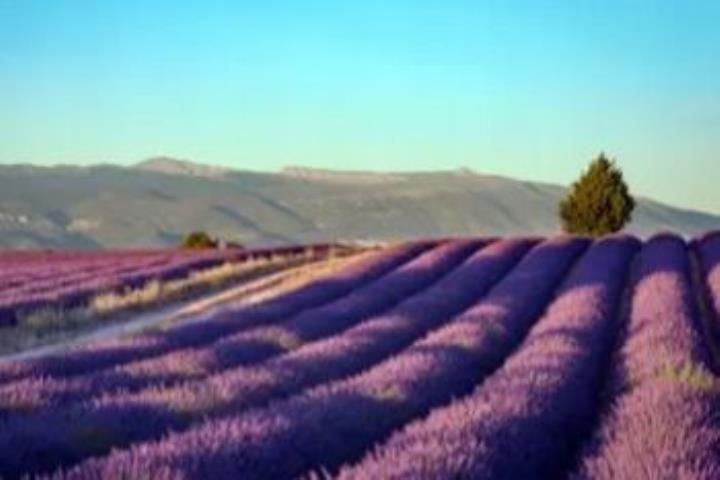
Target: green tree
198,240
599,202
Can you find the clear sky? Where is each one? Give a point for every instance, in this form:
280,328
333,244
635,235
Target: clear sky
526,89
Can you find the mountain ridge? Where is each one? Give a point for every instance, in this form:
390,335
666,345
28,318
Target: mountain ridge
155,202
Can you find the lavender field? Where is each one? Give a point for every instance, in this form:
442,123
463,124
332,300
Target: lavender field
516,358
32,280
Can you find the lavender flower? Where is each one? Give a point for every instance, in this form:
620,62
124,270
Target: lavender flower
663,421
108,353
123,417
525,419
247,346
338,420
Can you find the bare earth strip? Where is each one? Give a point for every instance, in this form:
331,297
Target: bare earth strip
266,283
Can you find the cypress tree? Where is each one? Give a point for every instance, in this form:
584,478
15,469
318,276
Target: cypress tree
599,202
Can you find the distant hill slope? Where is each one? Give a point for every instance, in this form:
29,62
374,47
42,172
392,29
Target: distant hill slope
157,201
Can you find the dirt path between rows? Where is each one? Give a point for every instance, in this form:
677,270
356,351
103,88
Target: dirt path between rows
196,310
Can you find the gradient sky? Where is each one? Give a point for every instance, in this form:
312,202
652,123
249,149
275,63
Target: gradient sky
526,89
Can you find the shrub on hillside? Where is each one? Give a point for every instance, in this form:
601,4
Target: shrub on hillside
599,202
199,240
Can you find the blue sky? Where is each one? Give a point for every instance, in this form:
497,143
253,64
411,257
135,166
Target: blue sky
526,89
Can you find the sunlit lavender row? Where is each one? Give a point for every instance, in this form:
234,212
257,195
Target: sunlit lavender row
284,437
662,420
250,345
525,420
476,358
127,417
104,354
707,256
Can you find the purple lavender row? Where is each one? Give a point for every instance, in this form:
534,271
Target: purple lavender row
109,352
526,419
148,415
34,272
72,290
41,270
15,274
64,288
105,354
49,283
32,257
247,346
68,296
252,346
337,421
60,279
44,276
663,420
17,258
179,267
38,270
707,251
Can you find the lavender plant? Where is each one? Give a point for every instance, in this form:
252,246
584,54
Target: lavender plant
247,346
123,418
283,440
526,419
663,421
108,353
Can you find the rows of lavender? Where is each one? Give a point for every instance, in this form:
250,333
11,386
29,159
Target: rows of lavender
32,280
474,358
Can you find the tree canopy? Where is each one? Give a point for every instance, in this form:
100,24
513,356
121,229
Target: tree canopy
599,202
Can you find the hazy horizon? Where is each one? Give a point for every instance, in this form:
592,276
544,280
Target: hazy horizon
532,90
